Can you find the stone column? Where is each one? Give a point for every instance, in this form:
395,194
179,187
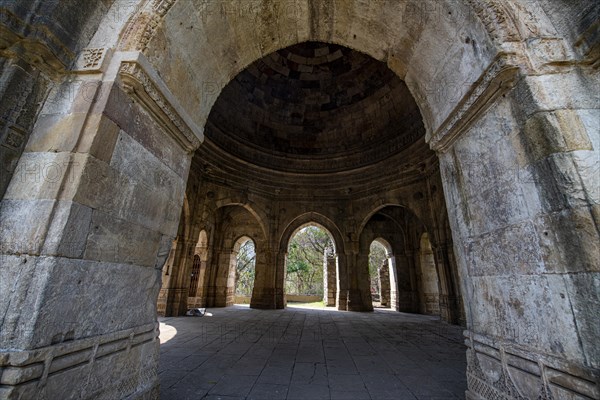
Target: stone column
521,185
448,297
342,284
220,290
330,279
161,304
359,291
405,293
384,283
177,290
267,293
200,300
393,284
84,241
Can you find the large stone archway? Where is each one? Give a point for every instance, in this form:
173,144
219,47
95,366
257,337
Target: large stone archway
506,94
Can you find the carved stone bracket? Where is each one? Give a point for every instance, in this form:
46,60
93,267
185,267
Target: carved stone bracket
91,60
499,77
143,88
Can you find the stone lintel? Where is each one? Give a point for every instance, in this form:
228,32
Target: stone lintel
142,83
499,77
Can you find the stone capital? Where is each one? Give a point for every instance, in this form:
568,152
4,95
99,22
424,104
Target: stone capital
140,81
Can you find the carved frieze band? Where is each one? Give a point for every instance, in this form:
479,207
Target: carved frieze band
35,365
533,376
140,86
497,79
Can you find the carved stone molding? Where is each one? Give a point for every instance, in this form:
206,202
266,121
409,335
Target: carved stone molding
142,27
500,76
141,87
35,365
523,374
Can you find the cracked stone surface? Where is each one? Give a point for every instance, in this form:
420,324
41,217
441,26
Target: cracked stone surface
302,353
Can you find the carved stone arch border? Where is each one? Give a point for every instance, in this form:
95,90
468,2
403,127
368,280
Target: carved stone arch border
389,248
498,23
365,242
257,212
375,210
315,218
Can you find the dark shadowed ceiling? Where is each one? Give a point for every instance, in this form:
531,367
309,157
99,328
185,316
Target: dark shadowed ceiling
314,108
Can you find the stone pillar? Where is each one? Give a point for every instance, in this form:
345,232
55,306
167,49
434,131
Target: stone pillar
221,290
384,283
393,283
405,298
448,297
267,294
175,294
329,279
359,291
161,304
84,242
200,300
521,185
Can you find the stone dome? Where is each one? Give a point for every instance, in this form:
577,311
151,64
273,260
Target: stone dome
314,107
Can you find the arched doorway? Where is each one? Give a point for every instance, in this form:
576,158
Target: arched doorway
311,266
245,261
382,272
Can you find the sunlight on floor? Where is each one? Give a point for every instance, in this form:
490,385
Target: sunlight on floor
167,332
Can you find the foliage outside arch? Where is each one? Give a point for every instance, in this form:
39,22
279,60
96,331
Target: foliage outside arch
379,252
245,270
307,249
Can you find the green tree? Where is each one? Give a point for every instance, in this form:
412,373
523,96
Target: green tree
305,261
244,272
377,255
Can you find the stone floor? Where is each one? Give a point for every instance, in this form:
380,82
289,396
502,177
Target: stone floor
310,354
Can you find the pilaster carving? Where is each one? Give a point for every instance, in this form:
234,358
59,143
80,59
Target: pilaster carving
140,86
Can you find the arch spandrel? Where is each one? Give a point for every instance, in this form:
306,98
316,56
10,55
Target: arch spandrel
210,44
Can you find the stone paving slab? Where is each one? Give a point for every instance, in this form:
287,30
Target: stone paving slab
310,354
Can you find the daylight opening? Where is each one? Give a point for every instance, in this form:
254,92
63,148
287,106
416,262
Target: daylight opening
310,252
379,274
244,270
